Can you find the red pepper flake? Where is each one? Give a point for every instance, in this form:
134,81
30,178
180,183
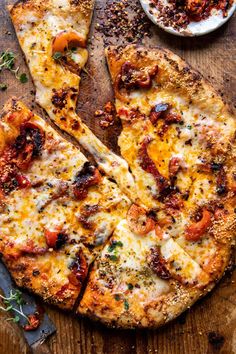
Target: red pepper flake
125,19
106,116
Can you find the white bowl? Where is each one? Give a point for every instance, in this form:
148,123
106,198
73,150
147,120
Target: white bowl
214,21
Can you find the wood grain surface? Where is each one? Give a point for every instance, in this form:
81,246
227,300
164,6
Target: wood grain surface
210,325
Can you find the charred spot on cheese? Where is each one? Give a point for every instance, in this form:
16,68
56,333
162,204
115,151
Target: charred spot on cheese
149,166
79,269
221,182
173,203
85,213
158,264
87,177
164,111
55,239
28,144
175,164
157,111
59,98
219,170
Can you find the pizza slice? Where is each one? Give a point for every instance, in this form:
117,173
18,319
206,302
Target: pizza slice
144,278
178,138
133,285
57,210
53,35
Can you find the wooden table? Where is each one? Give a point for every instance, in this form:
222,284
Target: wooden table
213,55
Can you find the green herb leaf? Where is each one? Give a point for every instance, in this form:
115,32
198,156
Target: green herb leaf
16,319
113,257
114,244
17,297
117,297
130,286
3,87
57,55
7,60
189,127
23,78
126,305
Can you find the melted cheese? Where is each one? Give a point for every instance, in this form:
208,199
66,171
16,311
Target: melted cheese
36,27
29,212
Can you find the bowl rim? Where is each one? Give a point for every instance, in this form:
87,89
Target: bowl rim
185,33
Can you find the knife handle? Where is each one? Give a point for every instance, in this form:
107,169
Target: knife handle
40,348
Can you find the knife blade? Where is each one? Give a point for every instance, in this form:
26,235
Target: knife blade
36,337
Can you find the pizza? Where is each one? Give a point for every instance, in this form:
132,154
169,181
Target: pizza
178,138
52,35
144,235
57,210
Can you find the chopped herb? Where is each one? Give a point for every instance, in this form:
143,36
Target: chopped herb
7,60
3,87
16,319
57,55
117,297
130,286
189,127
126,305
23,78
216,166
16,297
113,257
114,244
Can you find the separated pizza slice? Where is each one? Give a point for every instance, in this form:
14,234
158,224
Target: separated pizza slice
53,35
178,138
141,280
57,210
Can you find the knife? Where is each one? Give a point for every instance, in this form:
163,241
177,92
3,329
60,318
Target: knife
36,338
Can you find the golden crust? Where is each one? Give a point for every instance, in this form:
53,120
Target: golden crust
180,74
36,274
99,305
38,8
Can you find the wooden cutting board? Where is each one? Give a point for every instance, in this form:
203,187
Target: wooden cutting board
210,325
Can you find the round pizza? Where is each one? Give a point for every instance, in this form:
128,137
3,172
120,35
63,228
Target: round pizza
144,235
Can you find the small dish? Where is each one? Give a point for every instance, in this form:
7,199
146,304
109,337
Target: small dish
193,29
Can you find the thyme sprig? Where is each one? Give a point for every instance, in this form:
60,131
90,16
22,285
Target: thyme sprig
7,62
8,301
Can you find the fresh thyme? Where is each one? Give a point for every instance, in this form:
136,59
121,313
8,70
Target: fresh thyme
7,62
17,297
